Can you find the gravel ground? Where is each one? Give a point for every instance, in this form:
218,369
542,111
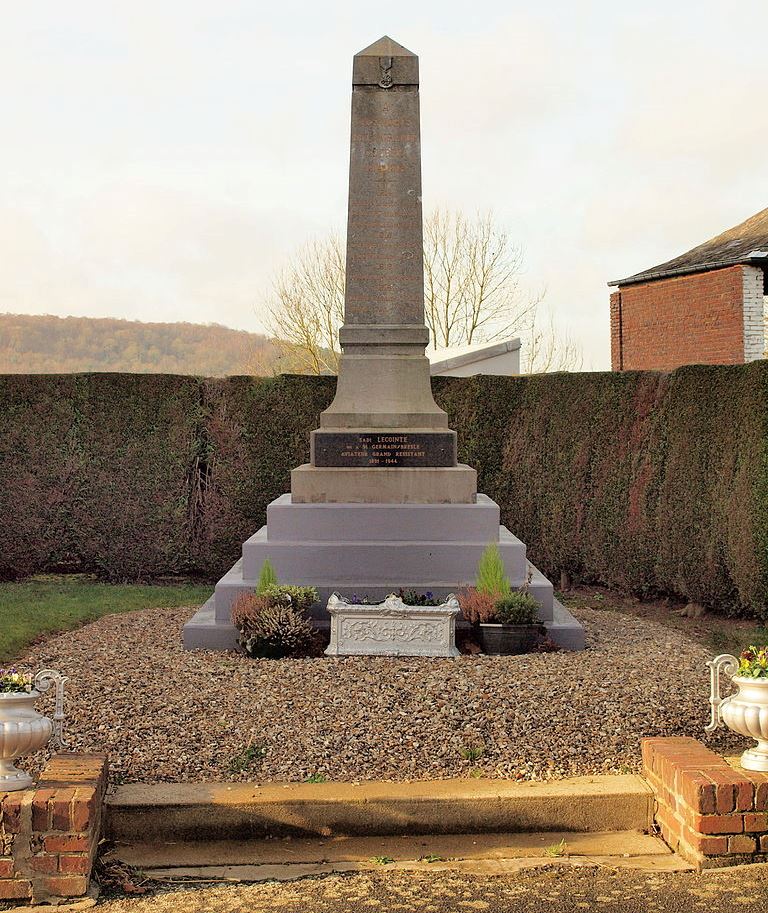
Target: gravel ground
163,714
534,891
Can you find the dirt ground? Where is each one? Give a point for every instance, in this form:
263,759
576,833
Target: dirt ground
717,633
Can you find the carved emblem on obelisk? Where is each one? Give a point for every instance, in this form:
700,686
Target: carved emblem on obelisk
386,72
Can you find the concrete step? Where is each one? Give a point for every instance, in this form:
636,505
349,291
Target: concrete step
289,522
290,858
204,632
172,812
407,569
344,562
540,588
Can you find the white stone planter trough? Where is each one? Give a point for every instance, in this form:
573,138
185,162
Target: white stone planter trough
392,628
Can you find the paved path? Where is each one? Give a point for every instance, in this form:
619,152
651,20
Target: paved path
553,890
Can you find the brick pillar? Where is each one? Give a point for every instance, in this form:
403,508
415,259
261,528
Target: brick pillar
710,812
617,355
49,834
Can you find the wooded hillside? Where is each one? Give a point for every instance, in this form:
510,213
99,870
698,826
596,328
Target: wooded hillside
61,345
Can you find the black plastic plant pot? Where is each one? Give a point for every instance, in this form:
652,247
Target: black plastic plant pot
508,640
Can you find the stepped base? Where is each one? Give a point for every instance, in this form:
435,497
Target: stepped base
204,632
371,550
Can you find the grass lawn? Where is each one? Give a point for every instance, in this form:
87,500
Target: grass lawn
46,604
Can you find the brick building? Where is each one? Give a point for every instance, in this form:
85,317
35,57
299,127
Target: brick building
706,306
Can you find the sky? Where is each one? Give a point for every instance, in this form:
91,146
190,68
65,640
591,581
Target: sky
160,160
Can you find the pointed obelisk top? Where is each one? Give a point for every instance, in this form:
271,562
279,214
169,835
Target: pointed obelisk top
385,47
385,63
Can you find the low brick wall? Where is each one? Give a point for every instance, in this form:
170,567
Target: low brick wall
50,833
711,813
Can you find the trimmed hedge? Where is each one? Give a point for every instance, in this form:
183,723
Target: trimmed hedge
95,473
653,483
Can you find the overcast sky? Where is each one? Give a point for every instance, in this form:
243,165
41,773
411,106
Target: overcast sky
159,160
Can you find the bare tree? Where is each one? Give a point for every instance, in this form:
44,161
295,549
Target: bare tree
765,328
546,349
307,307
472,294
471,280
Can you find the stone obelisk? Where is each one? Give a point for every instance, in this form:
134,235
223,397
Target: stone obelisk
383,439
383,503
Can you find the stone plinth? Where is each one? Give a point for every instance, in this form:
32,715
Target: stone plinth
374,549
392,628
341,485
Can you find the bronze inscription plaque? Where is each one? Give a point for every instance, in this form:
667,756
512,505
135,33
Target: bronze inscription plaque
384,449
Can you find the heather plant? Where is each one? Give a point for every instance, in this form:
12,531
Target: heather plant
753,662
476,607
517,607
14,682
301,597
274,624
491,578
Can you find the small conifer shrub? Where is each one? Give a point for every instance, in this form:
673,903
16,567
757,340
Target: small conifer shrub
267,577
491,578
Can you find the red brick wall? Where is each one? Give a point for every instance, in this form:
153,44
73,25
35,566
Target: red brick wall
709,812
661,325
49,834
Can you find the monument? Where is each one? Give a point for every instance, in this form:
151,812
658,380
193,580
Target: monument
383,502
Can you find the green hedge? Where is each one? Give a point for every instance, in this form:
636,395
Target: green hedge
653,483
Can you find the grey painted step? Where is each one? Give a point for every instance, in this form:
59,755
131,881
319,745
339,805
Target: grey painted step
564,629
353,579
244,811
204,632
341,563
289,522
540,588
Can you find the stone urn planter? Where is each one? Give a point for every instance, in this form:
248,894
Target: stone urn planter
23,730
506,640
745,712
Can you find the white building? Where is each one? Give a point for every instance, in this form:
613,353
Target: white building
479,358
